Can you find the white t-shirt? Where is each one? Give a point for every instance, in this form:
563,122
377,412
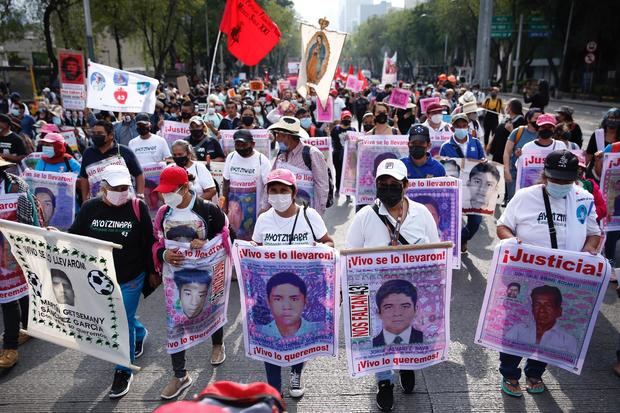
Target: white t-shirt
272,229
255,167
534,146
152,150
203,179
441,133
526,217
183,225
367,229
339,105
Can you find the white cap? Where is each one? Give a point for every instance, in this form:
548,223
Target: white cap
392,167
197,119
116,175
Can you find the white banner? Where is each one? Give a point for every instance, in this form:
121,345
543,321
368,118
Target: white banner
390,72
56,194
119,91
75,301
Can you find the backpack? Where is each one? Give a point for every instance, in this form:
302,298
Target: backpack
520,131
305,154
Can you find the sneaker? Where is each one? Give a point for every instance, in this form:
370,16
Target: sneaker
121,383
22,337
218,354
294,388
385,395
463,248
8,358
407,380
139,350
175,387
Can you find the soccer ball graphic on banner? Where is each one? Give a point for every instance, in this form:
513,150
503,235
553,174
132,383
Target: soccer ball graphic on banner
100,282
35,283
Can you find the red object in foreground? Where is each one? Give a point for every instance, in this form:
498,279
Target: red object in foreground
251,33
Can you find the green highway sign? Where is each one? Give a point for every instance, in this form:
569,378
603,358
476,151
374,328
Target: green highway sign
502,27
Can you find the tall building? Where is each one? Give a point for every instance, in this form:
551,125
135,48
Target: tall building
355,12
410,4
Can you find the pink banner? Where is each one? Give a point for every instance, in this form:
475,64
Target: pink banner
325,114
399,98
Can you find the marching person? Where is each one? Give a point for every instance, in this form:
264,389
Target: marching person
394,219
420,163
148,147
116,217
287,223
382,126
55,157
206,148
565,116
185,211
434,121
557,198
544,140
338,135
202,182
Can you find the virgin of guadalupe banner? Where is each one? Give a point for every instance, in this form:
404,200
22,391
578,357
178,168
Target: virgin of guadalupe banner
75,300
262,139
12,282
542,303
442,197
320,52
151,173
196,293
94,173
371,150
610,186
483,183
118,90
349,164
396,303
56,193
288,302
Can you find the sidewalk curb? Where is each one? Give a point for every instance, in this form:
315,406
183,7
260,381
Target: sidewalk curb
605,105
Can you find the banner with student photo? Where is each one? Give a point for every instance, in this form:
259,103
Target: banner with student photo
55,192
442,197
542,303
323,144
305,184
217,173
371,151
94,172
438,139
262,140
31,160
288,301
610,187
348,180
482,183
70,138
72,88
75,300
172,131
396,303
196,293
118,90
12,282
151,172
530,167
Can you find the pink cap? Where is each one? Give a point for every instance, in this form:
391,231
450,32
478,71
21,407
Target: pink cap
546,119
48,128
284,176
53,138
344,114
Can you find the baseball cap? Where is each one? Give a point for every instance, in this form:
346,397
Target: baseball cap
567,110
116,175
197,119
561,164
15,95
333,92
546,119
142,117
53,138
459,116
243,135
283,176
171,178
392,167
434,107
4,118
419,132
344,114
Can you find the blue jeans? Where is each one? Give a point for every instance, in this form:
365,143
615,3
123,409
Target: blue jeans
512,186
131,291
509,367
470,229
610,246
274,374
385,375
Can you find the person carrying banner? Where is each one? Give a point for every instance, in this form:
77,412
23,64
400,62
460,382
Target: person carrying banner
15,312
105,147
185,216
206,148
116,217
420,163
463,145
394,219
148,147
202,181
382,127
55,157
434,121
296,154
339,135
568,223
282,225
544,137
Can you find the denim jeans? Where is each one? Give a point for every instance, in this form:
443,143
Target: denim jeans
470,229
14,313
178,359
509,367
131,291
610,246
511,187
274,374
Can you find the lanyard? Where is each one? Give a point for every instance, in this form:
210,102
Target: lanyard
395,234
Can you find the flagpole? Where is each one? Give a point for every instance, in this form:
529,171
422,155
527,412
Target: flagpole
217,43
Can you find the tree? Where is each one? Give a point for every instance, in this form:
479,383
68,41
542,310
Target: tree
116,18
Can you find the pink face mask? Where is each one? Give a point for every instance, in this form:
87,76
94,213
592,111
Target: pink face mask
117,198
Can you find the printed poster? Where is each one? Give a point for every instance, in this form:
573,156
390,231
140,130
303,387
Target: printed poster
349,164
75,300
426,102
94,173
244,197
12,282
323,144
305,184
396,305
353,84
55,192
72,88
262,140
196,293
172,131
288,301
610,187
217,173
530,166
542,303
151,172
325,113
482,183
31,160
442,197
399,98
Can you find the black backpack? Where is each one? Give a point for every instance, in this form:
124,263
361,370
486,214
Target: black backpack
305,154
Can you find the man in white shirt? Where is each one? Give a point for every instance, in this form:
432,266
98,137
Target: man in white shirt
149,148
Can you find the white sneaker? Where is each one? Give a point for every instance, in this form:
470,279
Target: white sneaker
294,388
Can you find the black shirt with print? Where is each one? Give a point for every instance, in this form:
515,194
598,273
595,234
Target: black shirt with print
12,144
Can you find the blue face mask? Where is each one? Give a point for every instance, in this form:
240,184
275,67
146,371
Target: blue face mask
15,112
56,121
283,147
48,151
558,190
305,123
460,133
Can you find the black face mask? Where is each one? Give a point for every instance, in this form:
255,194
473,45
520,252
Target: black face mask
612,124
367,127
98,140
381,118
390,195
417,152
185,115
181,160
143,129
534,125
247,120
545,133
196,133
346,123
245,152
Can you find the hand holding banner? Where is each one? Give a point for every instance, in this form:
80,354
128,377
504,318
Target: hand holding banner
610,182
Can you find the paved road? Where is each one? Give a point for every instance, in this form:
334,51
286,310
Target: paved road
50,378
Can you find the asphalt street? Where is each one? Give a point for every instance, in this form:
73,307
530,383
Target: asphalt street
51,378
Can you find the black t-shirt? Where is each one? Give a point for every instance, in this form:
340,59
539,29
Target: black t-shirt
12,144
208,146
593,146
227,124
337,139
120,225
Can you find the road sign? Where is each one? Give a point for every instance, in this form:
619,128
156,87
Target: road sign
591,46
537,26
590,58
502,27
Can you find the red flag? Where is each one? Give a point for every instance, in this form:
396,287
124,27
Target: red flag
251,33
360,76
351,69
338,73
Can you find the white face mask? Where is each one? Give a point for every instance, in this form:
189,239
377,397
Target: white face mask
436,118
117,198
173,199
48,151
280,202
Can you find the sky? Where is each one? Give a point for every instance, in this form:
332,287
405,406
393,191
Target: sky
312,10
